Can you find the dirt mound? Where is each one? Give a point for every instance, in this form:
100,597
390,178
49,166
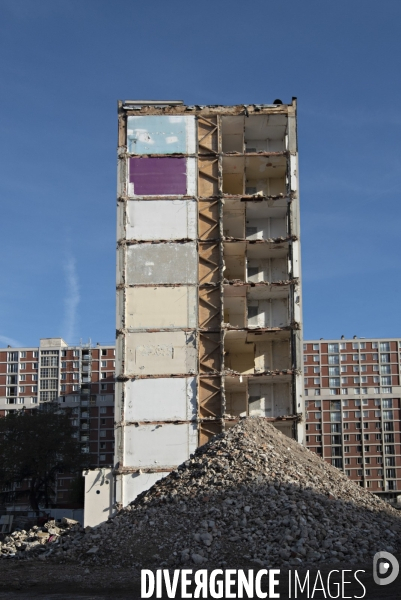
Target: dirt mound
249,496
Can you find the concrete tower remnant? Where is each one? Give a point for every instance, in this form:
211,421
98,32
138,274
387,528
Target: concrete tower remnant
209,325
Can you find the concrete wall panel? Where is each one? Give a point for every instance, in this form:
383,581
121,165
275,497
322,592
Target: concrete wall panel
99,491
270,313
267,228
161,134
133,484
269,269
287,429
159,446
293,173
162,399
162,263
270,356
161,220
270,399
161,307
160,353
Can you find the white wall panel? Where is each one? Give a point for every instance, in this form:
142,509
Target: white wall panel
135,483
159,446
161,219
99,493
162,399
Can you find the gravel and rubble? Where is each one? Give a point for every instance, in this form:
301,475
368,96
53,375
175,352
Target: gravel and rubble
251,496
38,540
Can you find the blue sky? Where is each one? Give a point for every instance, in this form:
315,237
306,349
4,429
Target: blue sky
65,63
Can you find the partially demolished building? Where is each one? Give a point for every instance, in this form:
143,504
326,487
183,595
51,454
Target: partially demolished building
208,280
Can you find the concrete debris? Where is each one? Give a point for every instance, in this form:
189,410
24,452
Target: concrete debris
38,540
251,496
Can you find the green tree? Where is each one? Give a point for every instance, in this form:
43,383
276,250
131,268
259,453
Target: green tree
36,445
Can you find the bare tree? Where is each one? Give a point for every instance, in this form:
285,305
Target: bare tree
36,445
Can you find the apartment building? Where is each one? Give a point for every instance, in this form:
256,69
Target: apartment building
78,378
209,323
352,398
352,402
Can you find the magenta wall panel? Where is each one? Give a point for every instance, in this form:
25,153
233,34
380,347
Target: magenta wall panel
158,176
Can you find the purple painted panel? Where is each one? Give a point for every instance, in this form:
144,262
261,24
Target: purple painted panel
158,176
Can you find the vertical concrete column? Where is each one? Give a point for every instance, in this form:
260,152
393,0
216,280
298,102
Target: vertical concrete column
296,296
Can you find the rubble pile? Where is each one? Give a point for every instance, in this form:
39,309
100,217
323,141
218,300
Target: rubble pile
251,496
38,540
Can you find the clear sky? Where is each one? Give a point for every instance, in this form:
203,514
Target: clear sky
65,63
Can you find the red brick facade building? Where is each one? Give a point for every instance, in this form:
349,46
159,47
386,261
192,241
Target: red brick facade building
352,394
79,378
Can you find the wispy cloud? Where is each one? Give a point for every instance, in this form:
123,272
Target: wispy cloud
72,299
10,341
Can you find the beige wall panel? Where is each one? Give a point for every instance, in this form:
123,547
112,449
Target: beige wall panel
233,183
233,142
208,177
235,311
209,261
161,353
161,307
209,397
207,134
209,308
208,219
277,186
209,352
263,357
234,267
236,404
286,429
234,224
240,362
207,430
